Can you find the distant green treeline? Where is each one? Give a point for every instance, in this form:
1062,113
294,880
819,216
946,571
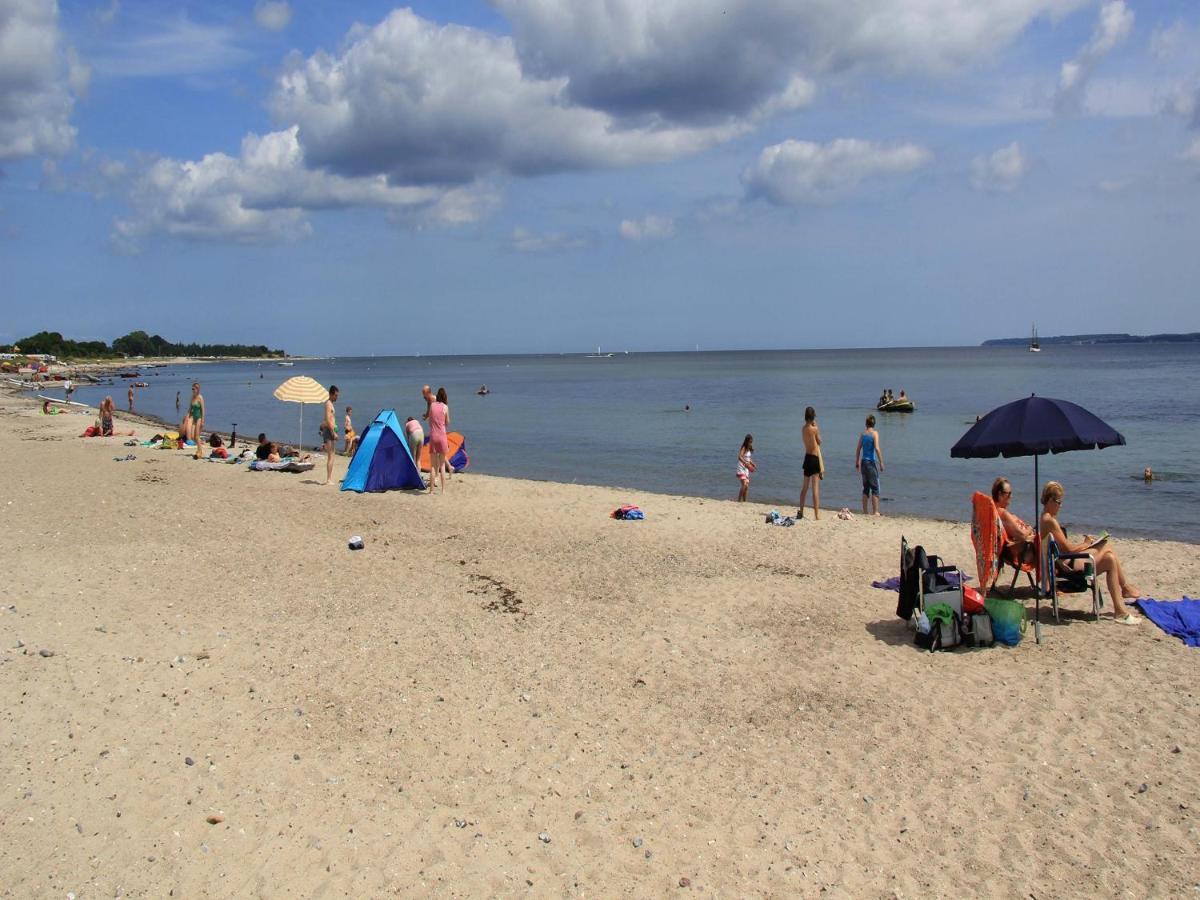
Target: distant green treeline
1188,338
136,343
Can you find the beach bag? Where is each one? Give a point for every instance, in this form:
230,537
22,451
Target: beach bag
977,630
1008,620
944,631
981,627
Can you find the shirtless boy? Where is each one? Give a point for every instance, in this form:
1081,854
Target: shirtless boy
329,433
812,463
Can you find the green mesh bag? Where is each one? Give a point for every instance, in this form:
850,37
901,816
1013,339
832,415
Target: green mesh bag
1008,619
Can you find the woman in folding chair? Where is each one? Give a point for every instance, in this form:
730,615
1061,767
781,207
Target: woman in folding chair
1104,556
1019,549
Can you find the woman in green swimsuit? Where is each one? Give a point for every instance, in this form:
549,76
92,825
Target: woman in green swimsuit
196,411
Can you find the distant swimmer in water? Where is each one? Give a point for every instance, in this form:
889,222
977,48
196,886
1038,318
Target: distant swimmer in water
687,407
1148,475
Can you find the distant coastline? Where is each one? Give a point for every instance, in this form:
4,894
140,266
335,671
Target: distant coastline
1188,338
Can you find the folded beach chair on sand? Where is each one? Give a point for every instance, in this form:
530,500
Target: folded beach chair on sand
922,576
1055,581
990,539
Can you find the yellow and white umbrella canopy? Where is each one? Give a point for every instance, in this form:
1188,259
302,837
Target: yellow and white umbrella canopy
301,389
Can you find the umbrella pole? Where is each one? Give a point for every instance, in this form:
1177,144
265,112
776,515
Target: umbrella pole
1037,590
300,445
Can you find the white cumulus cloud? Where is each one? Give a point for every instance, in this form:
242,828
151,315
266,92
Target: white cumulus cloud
796,172
999,171
273,15
36,76
264,193
647,228
702,60
1112,27
427,103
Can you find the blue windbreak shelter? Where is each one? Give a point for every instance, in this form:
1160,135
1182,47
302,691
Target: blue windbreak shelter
382,461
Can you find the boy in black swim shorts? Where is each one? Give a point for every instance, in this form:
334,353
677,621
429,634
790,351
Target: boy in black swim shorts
812,463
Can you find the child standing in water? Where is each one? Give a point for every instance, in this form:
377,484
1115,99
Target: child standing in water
745,465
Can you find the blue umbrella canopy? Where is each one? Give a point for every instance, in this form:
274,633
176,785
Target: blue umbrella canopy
1033,426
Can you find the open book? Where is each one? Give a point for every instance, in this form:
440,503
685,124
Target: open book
1097,541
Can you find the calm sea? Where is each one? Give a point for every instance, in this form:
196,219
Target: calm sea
621,422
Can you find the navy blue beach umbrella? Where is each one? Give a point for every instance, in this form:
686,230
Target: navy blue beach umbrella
1033,426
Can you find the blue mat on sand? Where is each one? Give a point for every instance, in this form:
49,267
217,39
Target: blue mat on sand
1178,617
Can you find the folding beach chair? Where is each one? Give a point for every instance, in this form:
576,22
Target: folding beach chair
1071,581
922,576
990,540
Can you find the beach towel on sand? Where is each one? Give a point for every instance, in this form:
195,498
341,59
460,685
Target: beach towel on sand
1178,617
289,465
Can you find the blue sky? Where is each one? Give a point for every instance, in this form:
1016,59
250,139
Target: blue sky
549,175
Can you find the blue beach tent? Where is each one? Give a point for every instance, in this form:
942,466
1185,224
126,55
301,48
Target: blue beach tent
382,461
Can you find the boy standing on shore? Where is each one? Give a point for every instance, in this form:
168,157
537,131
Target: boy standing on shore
868,459
329,432
812,463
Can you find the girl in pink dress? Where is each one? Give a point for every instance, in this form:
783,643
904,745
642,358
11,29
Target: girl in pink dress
439,420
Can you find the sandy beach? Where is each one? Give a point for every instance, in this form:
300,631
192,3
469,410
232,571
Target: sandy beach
506,692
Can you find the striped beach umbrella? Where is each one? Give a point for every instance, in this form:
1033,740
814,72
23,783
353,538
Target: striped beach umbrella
301,389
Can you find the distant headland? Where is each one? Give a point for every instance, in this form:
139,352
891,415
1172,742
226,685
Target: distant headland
1189,338
136,343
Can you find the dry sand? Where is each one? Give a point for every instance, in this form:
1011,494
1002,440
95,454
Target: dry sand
509,693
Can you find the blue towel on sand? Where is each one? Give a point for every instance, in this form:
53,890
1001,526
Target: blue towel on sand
1178,617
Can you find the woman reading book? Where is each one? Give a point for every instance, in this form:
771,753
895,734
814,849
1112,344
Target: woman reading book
1102,552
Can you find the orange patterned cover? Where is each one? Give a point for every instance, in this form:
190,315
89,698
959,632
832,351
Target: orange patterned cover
987,534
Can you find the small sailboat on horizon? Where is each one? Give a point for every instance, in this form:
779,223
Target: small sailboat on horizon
1034,346
599,355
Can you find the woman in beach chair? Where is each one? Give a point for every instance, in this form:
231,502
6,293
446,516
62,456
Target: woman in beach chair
1020,540
1000,540
1073,556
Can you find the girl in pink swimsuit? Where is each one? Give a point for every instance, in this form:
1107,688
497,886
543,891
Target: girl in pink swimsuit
439,419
